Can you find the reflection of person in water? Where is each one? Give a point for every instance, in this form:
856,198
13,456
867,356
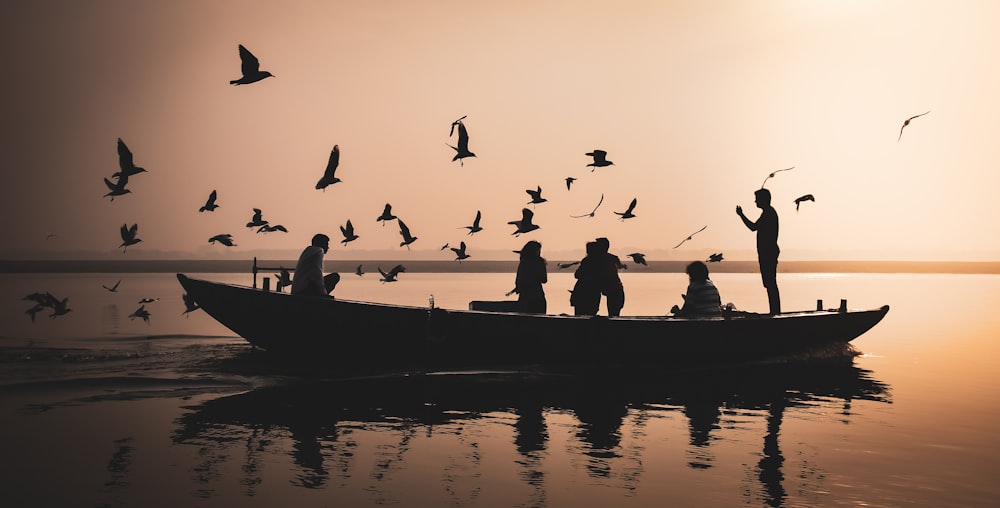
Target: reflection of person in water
767,245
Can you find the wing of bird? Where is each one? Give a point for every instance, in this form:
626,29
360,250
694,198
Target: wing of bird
249,63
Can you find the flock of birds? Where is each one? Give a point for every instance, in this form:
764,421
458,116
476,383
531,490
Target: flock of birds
251,73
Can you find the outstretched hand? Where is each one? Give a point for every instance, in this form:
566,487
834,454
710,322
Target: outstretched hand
739,210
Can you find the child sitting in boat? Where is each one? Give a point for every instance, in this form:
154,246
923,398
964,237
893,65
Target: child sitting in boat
702,298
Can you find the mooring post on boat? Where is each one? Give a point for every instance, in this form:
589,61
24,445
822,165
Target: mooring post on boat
843,305
819,304
267,284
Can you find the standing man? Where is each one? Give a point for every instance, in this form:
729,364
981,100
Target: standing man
767,245
309,279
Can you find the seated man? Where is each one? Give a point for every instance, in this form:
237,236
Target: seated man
309,279
702,298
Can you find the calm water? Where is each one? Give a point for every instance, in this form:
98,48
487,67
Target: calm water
103,410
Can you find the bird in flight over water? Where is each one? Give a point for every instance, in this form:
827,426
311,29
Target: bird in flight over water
250,67
460,252
638,258
117,188
569,182
405,233
141,313
348,231
331,167
600,159
567,265
536,196
358,271
129,236
210,205
524,225
715,258
462,150
225,239
771,175
386,214
627,214
126,166
800,199
189,304
267,228
592,212
690,236
257,219
907,122
390,276
113,289
475,228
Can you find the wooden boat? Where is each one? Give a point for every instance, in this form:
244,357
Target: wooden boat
354,333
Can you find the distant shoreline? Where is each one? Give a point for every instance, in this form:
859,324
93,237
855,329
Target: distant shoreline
348,266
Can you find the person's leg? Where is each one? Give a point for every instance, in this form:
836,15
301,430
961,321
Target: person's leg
769,276
616,301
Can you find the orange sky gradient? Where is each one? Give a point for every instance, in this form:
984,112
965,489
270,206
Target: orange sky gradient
695,102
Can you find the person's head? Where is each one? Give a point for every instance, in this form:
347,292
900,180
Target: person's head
603,244
531,249
697,271
322,241
762,197
593,249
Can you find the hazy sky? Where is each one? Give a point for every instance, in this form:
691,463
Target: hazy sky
695,102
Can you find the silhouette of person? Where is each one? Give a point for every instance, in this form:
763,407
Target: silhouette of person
702,297
309,279
586,294
767,245
531,274
612,287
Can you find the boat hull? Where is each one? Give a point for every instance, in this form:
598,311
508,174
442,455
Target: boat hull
357,333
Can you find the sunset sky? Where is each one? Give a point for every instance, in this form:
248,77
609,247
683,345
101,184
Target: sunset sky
696,102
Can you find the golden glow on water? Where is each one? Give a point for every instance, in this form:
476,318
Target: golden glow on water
913,414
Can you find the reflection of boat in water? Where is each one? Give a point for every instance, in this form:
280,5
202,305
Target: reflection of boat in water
350,333
318,423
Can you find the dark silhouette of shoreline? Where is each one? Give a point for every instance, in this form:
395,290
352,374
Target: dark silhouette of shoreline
450,266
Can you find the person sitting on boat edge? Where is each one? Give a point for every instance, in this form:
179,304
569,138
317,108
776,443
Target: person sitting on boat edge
531,274
702,297
309,278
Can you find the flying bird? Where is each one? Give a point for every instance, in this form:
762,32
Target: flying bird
569,182
453,124
390,276
592,212
140,313
358,271
114,288
189,304
567,265
715,258
210,205
638,258
475,228
445,246
128,236
600,159
386,214
460,252
147,300
225,239
257,219
348,231
34,311
524,225
331,168
60,307
250,67
627,214
284,279
462,150
771,175
800,199
536,196
405,233
690,236
117,188
126,166
267,228
47,300
907,122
